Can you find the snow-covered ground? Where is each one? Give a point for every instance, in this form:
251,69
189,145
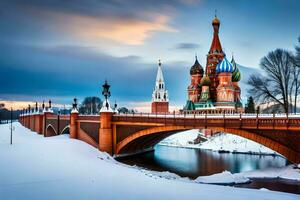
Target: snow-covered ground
222,141
288,172
35,167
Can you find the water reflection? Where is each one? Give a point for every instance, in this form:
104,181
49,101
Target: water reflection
197,162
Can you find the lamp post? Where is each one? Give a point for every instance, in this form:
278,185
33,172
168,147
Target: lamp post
73,120
36,107
11,126
115,106
106,93
106,136
75,104
58,121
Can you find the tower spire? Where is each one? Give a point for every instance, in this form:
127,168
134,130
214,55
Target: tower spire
216,44
232,58
159,75
160,99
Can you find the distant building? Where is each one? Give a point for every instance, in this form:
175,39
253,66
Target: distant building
216,89
160,99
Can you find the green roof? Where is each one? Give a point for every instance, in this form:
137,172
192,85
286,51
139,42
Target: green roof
189,105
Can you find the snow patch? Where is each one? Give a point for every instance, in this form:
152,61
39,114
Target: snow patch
225,177
222,141
288,172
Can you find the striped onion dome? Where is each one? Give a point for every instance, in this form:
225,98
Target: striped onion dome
236,74
224,66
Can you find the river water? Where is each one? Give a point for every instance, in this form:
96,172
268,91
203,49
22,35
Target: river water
192,163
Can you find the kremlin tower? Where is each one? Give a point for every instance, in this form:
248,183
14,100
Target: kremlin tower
217,91
160,99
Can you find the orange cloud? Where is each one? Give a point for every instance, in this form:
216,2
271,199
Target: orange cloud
18,105
126,31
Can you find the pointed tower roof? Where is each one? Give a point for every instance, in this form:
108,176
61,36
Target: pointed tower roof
216,44
159,75
196,68
160,94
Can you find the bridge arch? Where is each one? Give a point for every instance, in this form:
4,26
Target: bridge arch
50,131
65,130
149,137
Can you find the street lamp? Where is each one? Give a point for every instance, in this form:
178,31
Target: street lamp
75,104
11,126
106,92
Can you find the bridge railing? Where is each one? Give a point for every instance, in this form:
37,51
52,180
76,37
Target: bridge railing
201,116
264,121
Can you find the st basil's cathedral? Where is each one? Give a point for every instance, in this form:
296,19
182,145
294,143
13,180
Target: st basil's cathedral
215,89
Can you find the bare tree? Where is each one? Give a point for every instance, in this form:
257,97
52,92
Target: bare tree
276,82
296,73
90,105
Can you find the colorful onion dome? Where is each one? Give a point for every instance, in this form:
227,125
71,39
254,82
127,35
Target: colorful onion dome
205,81
224,66
236,74
196,68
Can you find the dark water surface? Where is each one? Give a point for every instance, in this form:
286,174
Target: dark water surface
198,162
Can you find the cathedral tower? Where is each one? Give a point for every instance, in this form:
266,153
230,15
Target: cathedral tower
214,57
216,90
194,89
225,89
160,99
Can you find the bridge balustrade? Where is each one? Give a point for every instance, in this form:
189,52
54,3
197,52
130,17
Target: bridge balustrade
89,118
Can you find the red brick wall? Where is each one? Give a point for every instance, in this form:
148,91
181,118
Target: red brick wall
160,107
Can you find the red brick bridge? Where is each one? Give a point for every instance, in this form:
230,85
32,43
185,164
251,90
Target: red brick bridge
123,134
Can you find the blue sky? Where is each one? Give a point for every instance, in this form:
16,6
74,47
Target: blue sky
60,49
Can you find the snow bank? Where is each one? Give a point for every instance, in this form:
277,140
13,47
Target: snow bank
290,172
223,141
181,139
53,168
225,177
234,143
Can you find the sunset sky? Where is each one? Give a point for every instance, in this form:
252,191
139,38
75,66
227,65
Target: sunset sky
61,49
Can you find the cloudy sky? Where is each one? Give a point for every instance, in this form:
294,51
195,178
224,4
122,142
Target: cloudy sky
60,49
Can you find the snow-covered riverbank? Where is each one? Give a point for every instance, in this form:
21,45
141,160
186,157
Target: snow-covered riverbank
35,167
291,172
227,142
